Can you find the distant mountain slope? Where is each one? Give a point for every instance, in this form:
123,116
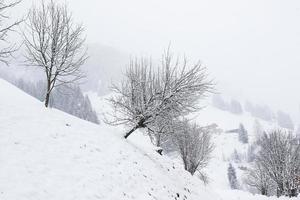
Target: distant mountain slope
226,143
49,155
103,67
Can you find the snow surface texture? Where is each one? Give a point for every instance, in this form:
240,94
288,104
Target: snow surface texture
46,154
225,144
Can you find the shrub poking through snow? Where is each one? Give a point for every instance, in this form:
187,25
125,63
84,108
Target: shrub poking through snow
258,178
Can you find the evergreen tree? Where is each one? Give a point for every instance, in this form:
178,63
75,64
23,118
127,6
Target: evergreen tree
259,111
236,107
243,134
219,102
69,99
232,177
284,120
72,101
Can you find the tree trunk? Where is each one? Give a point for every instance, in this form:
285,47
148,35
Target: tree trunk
158,143
280,189
140,124
158,140
292,193
48,93
159,151
131,131
264,191
47,99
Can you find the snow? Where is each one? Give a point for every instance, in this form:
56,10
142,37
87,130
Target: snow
47,154
50,155
225,144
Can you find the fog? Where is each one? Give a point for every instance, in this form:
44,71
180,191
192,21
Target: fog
250,47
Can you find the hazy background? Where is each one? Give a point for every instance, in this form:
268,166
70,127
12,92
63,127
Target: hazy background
250,47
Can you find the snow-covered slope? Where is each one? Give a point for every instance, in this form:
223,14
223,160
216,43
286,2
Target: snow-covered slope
225,144
48,155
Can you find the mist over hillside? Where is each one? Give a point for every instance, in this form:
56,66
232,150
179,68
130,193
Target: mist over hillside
105,66
149,100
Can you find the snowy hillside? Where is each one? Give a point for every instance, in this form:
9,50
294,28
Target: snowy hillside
225,144
47,154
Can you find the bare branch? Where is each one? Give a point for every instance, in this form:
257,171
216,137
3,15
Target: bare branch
148,95
194,145
55,44
7,48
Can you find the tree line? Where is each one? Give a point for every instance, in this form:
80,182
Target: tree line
259,111
69,99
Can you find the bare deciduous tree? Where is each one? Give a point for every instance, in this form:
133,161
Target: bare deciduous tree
194,145
159,131
146,95
6,26
279,157
55,44
259,179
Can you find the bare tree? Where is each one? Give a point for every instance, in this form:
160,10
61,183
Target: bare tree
6,26
259,179
159,131
55,44
194,145
279,157
146,95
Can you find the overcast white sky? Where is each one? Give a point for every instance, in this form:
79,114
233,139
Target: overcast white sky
251,47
